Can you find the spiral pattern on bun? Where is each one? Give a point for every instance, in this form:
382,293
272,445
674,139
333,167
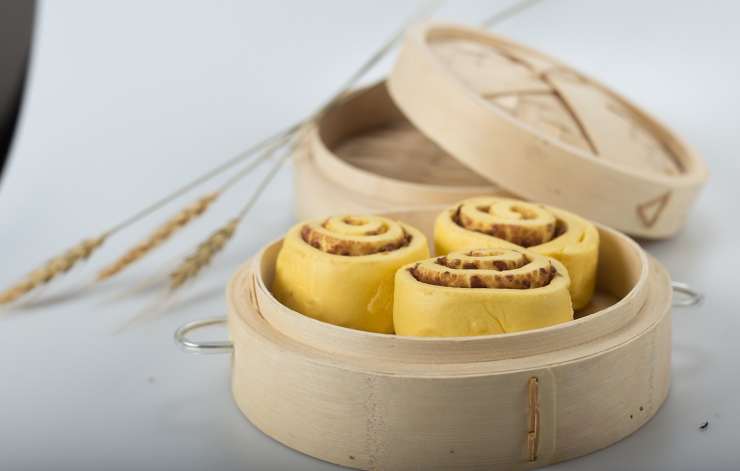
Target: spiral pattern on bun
486,268
340,270
508,223
355,235
520,223
481,292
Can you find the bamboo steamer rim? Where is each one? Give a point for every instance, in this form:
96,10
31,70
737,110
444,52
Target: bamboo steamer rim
254,317
246,315
487,348
420,76
342,173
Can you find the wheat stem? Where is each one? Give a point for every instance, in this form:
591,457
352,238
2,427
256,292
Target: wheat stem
176,222
215,242
66,261
263,185
425,9
202,179
507,13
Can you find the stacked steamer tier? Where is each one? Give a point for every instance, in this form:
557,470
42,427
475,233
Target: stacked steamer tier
508,401
466,113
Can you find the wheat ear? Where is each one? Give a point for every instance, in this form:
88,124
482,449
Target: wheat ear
159,236
55,266
203,254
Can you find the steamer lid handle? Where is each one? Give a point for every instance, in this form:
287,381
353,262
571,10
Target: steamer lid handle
687,295
208,346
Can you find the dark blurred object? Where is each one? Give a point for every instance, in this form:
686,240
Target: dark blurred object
16,27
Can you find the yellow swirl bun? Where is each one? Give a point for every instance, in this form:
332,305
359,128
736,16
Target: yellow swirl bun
481,292
340,270
508,223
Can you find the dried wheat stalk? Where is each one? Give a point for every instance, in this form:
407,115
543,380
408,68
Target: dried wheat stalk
52,268
159,236
215,243
203,254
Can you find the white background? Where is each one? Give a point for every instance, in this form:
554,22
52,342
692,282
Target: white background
128,99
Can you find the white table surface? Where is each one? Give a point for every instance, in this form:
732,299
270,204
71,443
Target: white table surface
128,99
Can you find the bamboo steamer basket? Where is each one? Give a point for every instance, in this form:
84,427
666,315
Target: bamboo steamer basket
511,401
544,131
362,155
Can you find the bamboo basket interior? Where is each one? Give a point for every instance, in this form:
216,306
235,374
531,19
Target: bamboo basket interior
364,155
620,293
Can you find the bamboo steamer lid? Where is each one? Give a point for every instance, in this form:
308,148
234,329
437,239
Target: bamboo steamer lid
512,401
363,155
544,131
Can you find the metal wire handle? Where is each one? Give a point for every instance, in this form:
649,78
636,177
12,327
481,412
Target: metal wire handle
689,296
208,346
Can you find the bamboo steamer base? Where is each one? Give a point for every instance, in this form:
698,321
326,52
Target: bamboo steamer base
514,401
363,155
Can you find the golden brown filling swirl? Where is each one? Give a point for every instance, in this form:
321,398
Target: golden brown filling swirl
520,223
355,235
486,268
